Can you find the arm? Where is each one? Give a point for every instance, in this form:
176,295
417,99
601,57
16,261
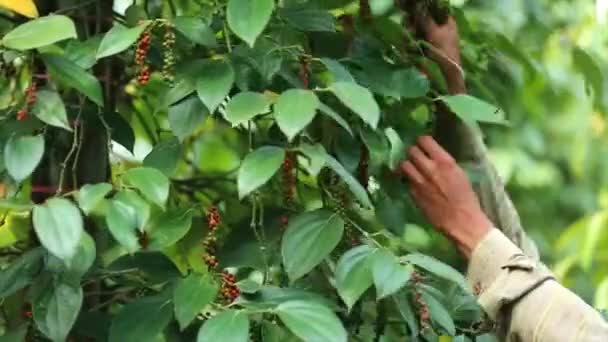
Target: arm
466,144
515,291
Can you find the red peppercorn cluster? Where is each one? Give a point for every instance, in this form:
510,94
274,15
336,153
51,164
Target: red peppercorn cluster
423,309
363,168
289,177
143,46
230,291
143,238
305,71
30,100
168,56
342,202
27,311
284,222
213,222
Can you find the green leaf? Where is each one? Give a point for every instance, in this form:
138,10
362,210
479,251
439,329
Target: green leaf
49,108
214,82
127,213
227,326
83,53
338,71
594,77
248,18
90,195
165,156
21,272
439,314
152,183
305,18
311,321
141,320
397,152
309,239
410,83
192,294
354,274
84,258
22,155
471,109
389,275
294,110
55,312
336,117
359,100
245,106
315,156
169,227
71,74
59,227
437,268
407,313
119,38
17,334
258,167
354,185
40,32
186,117
196,30
122,132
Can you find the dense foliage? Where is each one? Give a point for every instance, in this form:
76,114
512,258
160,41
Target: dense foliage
265,206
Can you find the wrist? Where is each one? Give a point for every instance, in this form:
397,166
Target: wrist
469,230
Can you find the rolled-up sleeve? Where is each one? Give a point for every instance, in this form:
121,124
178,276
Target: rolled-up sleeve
524,299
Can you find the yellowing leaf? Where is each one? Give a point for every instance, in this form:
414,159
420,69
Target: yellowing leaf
24,7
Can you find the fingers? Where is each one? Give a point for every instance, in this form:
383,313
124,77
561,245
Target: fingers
421,161
433,149
412,173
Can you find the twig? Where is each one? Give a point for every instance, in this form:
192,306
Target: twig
227,37
79,148
64,164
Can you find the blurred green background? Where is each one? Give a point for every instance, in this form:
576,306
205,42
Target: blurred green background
554,157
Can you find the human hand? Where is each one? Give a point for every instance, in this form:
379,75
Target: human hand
441,189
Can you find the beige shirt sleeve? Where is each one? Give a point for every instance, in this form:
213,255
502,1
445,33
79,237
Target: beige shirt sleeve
525,300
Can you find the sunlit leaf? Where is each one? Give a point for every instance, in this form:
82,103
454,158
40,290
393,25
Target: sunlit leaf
40,32
59,227
248,18
294,110
311,321
258,167
229,326
22,155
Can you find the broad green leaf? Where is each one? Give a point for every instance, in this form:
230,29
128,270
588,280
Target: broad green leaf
119,38
315,156
40,32
594,77
83,52
56,310
126,214
439,314
406,311
227,326
306,18
141,320
152,183
90,195
49,108
389,275
245,106
354,274
186,117
248,18
191,295
410,83
71,74
354,185
22,155
196,30
359,100
21,272
397,152
294,110
59,227
272,332
168,227
336,117
269,297
26,8
311,321
165,156
214,82
337,70
309,239
437,268
258,167
472,110
84,258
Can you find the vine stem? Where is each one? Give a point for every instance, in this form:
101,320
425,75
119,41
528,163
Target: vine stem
73,148
227,37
